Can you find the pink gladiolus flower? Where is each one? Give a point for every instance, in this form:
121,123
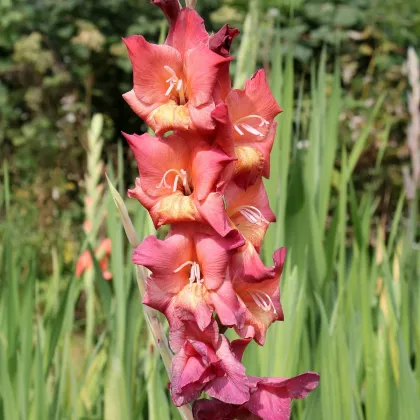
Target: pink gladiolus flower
205,362
260,297
270,399
174,83
189,277
182,179
252,111
205,180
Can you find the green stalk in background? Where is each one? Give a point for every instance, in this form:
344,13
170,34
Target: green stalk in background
94,193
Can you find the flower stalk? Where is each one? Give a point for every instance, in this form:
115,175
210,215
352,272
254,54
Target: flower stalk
94,193
204,179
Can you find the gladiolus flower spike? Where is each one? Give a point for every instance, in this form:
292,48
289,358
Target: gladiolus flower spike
205,181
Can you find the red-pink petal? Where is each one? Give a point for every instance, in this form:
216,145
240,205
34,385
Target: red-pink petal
193,370
149,73
232,387
246,266
297,387
201,116
220,43
239,346
227,306
272,398
187,31
223,135
190,331
253,159
208,165
201,69
213,257
254,295
192,304
170,8
255,99
142,109
181,374
159,299
212,209
155,156
162,258
254,199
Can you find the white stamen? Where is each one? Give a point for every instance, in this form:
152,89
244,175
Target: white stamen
260,302
163,183
252,130
195,273
171,86
249,216
172,73
184,177
249,128
184,265
192,273
175,81
238,130
175,183
252,214
180,174
262,120
263,301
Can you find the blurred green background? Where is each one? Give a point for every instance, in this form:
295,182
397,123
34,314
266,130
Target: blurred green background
345,175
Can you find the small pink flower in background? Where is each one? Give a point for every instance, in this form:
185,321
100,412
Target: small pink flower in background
87,226
102,252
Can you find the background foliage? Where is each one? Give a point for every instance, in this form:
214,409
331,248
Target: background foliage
78,347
